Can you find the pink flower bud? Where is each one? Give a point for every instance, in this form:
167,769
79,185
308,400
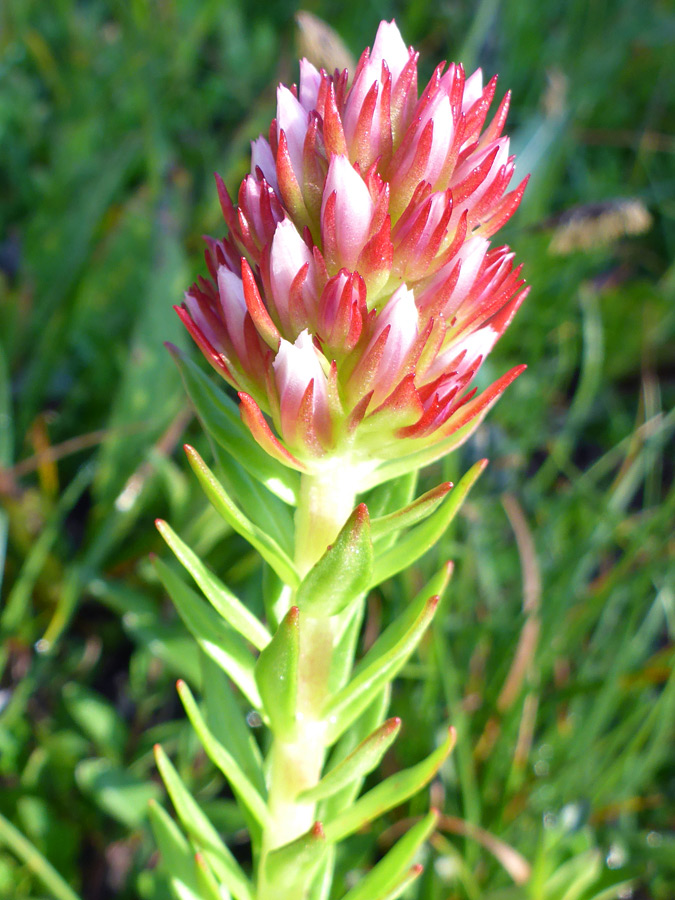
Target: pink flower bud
302,386
346,214
289,257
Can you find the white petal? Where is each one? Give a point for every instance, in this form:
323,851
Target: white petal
310,82
231,292
390,46
295,365
292,119
353,209
263,158
473,88
401,316
288,255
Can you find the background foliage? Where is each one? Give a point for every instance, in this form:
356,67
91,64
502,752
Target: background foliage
554,658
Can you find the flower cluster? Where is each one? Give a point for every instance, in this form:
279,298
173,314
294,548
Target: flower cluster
356,294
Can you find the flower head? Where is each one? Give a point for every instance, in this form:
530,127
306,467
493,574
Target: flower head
356,294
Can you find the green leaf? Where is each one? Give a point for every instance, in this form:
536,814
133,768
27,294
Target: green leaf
227,722
224,760
420,539
294,865
117,791
97,718
223,601
214,636
263,507
388,794
276,674
178,858
393,872
220,417
201,831
35,861
412,875
359,763
270,551
420,509
208,886
369,719
343,572
379,666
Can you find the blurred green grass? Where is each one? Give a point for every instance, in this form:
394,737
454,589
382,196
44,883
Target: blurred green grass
113,116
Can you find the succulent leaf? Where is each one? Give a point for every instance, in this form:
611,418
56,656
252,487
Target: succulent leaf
223,601
214,636
389,793
342,573
276,674
392,873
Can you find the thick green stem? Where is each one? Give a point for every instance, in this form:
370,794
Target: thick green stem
325,502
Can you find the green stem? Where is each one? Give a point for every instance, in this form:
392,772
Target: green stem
325,502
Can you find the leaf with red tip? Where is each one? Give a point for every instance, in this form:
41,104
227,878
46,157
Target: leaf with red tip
258,311
344,571
420,539
333,133
389,793
475,177
215,357
252,416
410,515
496,126
379,666
475,117
200,830
357,765
288,184
221,419
293,866
226,204
393,873
276,674
475,410
503,212
402,407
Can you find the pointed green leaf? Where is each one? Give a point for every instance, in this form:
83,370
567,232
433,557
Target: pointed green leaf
388,794
31,857
201,831
369,719
224,760
359,763
295,864
270,551
214,636
419,509
220,417
227,722
379,666
178,857
398,890
420,539
393,872
346,641
208,886
343,572
276,674
223,601
264,508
